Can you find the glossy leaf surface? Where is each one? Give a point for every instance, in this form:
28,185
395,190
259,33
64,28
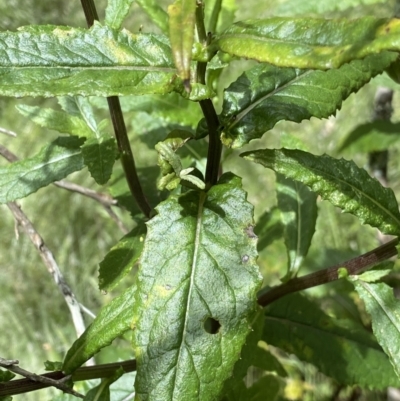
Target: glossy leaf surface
113,320
197,286
116,12
341,182
310,42
298,206
346,352
52,61
54,162
181,33
121,258
265,94
384,310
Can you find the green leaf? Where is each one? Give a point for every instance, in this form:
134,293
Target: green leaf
56,120
181,33
116,12
341,182
54,60
197,289
156,13
310,43
121,258
298,206
371,137
252,355
383,307
52,366
6,375
112,321
54,162
348,353
218,14
102,391
99,156
266,94
268,228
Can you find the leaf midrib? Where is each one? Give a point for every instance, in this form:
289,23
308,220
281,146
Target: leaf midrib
199,218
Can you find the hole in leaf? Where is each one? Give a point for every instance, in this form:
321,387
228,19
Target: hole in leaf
211,326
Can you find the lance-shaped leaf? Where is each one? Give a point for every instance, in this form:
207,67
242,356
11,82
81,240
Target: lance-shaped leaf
341,182
196,293
181,33
156,13
310,43
56,120
121,258
116,12
384,310
102,391
298,206
52,61
54,162
266,94
113,320
345,351
372,137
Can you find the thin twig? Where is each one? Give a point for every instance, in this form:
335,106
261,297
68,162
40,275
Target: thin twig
353,266
21,386
52,267
8,132
12,366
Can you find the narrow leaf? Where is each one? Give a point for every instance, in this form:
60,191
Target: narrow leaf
156,13
116,12
56,120
53,61
99,156
197,287
348,354
54,162
341,182
384,310
266,94
121,258
102,391
298,206
268,228
181,33
113,320
218,15
310,43
372,137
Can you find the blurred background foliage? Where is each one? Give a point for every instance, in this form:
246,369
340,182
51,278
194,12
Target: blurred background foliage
35,324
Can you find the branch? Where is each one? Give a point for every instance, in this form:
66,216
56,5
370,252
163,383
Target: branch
11,365
124,147
52,267
353,266
21,386
8,132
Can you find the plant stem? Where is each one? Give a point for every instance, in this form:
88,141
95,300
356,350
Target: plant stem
353,266
21,386
214,16
214,145
124,147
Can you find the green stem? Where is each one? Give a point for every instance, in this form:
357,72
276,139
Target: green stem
124,147
214,16
21,386
353,266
